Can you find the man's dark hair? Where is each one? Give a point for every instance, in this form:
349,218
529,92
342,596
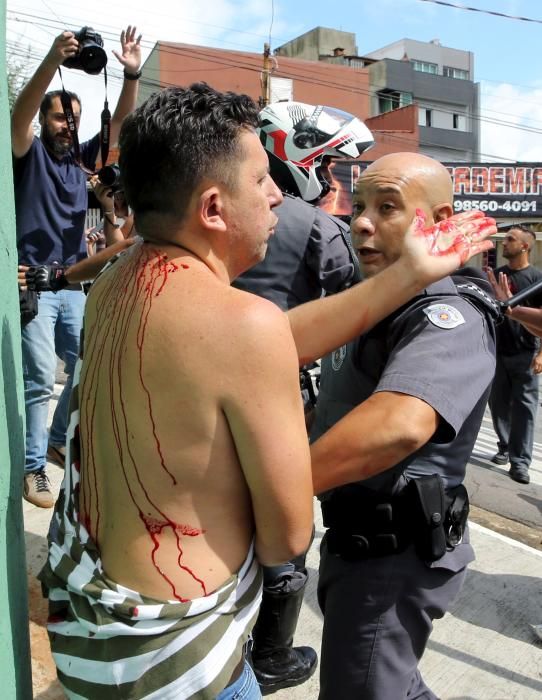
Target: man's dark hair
175,139
48,98
523,228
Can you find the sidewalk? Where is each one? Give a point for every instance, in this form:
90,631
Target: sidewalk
484,648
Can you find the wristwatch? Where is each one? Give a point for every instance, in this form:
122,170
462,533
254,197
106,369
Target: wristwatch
132,76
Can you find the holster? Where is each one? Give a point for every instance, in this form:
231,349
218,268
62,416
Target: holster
429,512
363,523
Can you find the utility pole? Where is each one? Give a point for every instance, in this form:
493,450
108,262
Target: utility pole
265,97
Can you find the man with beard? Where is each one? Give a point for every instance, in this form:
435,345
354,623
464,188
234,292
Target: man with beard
51,205
514,393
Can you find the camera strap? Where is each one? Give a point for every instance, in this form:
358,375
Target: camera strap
105,128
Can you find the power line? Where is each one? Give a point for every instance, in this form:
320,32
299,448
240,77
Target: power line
150,43
155,14
321,77
402,140
311,77
51,10
61,24
316,75
460,6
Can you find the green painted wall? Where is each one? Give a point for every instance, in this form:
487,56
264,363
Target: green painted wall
14,639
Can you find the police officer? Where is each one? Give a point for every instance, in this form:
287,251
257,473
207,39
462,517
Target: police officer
309,255
397,415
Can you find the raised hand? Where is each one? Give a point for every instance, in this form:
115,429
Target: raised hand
64,46
130,56
436,251
501,288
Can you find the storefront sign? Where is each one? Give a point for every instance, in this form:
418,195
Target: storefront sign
502,190
505,191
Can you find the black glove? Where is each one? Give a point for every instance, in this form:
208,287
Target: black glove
46,278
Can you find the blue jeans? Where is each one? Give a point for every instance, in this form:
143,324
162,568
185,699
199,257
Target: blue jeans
244,688
54,331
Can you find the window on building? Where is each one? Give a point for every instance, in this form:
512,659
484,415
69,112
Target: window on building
459,73
281,89
356,62
425,116
459,122
425,67
393,99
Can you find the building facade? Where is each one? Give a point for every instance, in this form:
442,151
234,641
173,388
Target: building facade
438,79
332,84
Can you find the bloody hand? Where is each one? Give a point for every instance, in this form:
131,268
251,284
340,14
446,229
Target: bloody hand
462,235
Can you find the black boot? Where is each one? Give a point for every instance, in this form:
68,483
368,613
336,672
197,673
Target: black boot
277,664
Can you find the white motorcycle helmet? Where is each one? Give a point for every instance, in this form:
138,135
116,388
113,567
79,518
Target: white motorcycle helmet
297,136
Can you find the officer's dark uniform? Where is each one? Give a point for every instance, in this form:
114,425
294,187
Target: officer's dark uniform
378,606
514,395
308,256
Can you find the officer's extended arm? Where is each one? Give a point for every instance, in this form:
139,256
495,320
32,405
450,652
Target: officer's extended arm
374,436
427,256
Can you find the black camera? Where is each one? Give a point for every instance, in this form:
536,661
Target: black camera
109,176
91,56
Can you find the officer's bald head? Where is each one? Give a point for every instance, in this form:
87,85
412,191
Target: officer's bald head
422,176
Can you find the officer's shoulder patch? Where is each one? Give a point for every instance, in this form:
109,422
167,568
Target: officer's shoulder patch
444,315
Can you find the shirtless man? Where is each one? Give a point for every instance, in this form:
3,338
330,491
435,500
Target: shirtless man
188,451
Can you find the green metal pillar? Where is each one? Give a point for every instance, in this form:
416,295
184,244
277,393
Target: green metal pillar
15,671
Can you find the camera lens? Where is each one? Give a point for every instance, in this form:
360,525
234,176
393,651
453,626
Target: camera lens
93,59
109,176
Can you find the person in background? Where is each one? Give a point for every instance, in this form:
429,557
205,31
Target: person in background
51,205
118,219
514,394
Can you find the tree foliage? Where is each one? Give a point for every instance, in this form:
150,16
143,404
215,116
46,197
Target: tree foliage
17,74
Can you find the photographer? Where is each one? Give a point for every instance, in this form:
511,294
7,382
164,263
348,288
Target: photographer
51,204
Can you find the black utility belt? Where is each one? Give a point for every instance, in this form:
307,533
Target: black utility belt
363,524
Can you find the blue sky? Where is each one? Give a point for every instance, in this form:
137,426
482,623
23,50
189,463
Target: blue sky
506,55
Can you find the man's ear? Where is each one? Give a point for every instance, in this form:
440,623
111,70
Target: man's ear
211,209
442,211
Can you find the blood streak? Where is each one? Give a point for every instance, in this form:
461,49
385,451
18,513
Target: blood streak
155,528
123,308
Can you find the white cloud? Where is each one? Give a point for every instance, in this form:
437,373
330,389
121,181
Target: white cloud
511,124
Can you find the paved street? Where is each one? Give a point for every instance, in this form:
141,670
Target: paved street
510,508
484,649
